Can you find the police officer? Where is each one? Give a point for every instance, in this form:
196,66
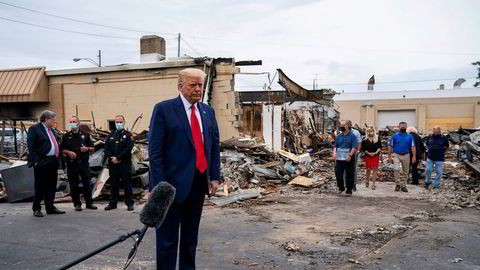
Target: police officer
118,150
77,145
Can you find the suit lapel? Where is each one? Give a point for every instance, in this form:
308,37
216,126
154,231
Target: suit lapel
182,115
44,132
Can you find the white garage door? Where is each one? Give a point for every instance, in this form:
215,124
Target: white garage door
392,118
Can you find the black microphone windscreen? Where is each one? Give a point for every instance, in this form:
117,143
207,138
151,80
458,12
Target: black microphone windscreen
156,208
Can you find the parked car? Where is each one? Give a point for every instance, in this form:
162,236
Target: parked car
9,139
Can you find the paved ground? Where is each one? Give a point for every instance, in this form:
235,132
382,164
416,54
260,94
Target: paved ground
377,229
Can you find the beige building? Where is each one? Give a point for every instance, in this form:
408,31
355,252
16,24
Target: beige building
448,108
100,93
96,95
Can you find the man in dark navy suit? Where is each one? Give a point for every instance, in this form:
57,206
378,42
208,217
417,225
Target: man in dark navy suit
44,153
184,150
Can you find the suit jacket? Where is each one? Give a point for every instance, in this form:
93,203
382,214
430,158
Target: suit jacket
171,150
38,143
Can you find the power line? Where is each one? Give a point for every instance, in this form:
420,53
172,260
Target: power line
192,48
236,40
66,30
84,22
387,82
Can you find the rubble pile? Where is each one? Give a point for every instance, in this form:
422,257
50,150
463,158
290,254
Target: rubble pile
302,134
247,164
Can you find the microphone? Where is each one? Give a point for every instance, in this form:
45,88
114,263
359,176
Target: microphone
155,210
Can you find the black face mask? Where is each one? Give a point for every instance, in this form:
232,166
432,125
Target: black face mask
342,129
403,130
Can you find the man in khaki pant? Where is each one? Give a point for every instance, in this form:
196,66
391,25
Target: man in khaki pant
401,145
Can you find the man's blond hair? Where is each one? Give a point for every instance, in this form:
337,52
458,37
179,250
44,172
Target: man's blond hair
190,72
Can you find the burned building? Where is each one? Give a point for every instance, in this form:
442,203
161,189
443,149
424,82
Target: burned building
290,119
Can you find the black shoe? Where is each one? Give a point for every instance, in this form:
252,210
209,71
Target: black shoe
354,188
91,207
55,211
38,213
397,188
349,194
130,208
110,207
78,208
404,189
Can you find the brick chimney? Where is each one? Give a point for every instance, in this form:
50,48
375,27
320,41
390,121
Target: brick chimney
152,49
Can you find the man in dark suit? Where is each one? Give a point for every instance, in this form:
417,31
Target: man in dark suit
44,153
184,150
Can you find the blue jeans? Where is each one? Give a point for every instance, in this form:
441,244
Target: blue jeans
438,173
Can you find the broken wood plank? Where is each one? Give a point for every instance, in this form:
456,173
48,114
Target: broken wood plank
234,198
102,179
270,164
304,182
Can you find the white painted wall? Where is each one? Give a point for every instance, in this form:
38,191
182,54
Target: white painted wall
272,126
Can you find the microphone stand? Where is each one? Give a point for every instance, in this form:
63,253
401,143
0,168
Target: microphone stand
141,234
109,245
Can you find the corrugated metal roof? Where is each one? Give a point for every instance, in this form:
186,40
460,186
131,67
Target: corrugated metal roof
18,82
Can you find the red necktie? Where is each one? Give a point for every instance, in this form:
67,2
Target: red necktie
201,163
52,138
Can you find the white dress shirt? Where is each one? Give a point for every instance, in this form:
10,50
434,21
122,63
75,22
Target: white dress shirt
188,110
51,153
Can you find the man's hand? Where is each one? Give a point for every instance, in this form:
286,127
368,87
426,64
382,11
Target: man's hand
84,149
72,155
213,186
334,156
349,158
115,160
414,159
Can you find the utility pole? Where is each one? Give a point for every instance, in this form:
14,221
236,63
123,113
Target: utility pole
315,81
179,38
99,58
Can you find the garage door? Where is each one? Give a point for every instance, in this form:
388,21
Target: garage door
392,118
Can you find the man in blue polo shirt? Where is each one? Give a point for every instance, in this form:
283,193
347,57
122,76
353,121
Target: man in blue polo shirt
437,144
344,150
401,145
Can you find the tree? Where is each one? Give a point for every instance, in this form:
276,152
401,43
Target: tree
477,84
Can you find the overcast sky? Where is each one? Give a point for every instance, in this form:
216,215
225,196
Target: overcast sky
341,43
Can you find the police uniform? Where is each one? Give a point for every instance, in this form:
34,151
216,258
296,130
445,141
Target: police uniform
78,167
119,144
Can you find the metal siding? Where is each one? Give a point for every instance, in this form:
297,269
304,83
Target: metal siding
17,85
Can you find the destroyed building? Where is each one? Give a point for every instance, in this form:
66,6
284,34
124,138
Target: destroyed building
292,119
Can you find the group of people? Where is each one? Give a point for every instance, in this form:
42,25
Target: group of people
47,150
406,149
184,150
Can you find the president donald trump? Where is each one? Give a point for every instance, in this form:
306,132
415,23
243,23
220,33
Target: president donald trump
184,150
